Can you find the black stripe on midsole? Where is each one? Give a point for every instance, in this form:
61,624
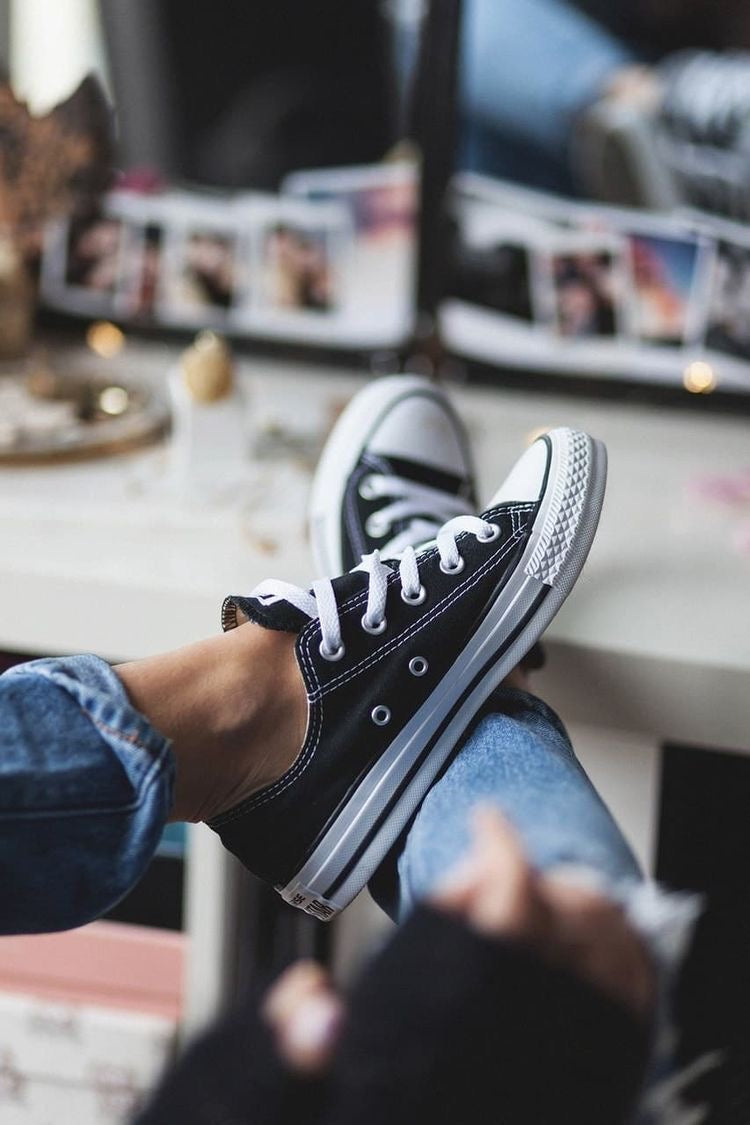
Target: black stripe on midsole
425,753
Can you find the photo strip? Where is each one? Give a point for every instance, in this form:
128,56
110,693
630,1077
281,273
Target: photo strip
543,284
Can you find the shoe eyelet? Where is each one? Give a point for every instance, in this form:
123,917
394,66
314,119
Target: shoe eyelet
332,656
416,599
418,666
365,489
375,527
380,715
453,569
494,534
376,629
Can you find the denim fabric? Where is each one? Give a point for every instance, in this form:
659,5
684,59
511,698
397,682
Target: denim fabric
86,787
529,66
519,758
85,790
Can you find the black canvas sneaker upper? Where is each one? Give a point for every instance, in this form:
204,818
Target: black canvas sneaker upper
397,656
390,664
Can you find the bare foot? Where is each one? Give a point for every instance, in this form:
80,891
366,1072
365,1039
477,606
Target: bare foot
496,891
305,1014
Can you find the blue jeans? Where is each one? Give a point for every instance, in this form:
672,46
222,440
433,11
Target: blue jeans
85,791
86,788
528,68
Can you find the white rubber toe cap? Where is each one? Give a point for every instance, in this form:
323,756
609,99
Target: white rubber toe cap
525,481
420,428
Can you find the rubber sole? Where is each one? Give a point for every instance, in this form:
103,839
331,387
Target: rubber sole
358,839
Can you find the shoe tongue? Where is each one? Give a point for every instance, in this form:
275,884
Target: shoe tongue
279,614
441,479
420,473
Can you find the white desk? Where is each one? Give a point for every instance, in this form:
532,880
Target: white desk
653,644
656,637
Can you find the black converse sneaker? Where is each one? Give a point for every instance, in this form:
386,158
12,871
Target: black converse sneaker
397,657
395,468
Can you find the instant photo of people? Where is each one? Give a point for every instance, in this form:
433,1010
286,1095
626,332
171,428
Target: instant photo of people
201,270
586,292
291,268
84,263
297,269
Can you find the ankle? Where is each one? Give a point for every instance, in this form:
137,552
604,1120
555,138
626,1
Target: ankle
235,710
265,715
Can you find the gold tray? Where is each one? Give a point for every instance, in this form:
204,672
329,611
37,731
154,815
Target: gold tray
47,417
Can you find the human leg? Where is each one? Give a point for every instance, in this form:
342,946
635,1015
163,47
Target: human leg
454,616
529,67
95,760
86,786
518,758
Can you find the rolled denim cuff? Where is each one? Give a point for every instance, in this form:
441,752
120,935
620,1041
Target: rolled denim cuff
85,790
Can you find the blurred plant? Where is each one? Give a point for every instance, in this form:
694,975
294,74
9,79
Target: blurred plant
52,164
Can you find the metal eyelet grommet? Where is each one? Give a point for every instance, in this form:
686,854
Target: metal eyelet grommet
376,629
366,491
418,666
493,534
335,655
415,599
380,715
453,569
375,527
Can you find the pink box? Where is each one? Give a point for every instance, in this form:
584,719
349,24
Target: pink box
88,1020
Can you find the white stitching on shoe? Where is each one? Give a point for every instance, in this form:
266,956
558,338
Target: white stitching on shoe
426,619
307,637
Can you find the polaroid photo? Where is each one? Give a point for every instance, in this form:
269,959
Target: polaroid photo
84,261
498,264
145,219
665,272
201,272
728,319
493,263
381,202
582,286
381,199
727,300
293,262
669,265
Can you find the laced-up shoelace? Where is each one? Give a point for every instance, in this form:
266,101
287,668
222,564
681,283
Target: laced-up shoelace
320,603
409,501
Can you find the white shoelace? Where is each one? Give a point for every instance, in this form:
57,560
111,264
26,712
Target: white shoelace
321,602
408,501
